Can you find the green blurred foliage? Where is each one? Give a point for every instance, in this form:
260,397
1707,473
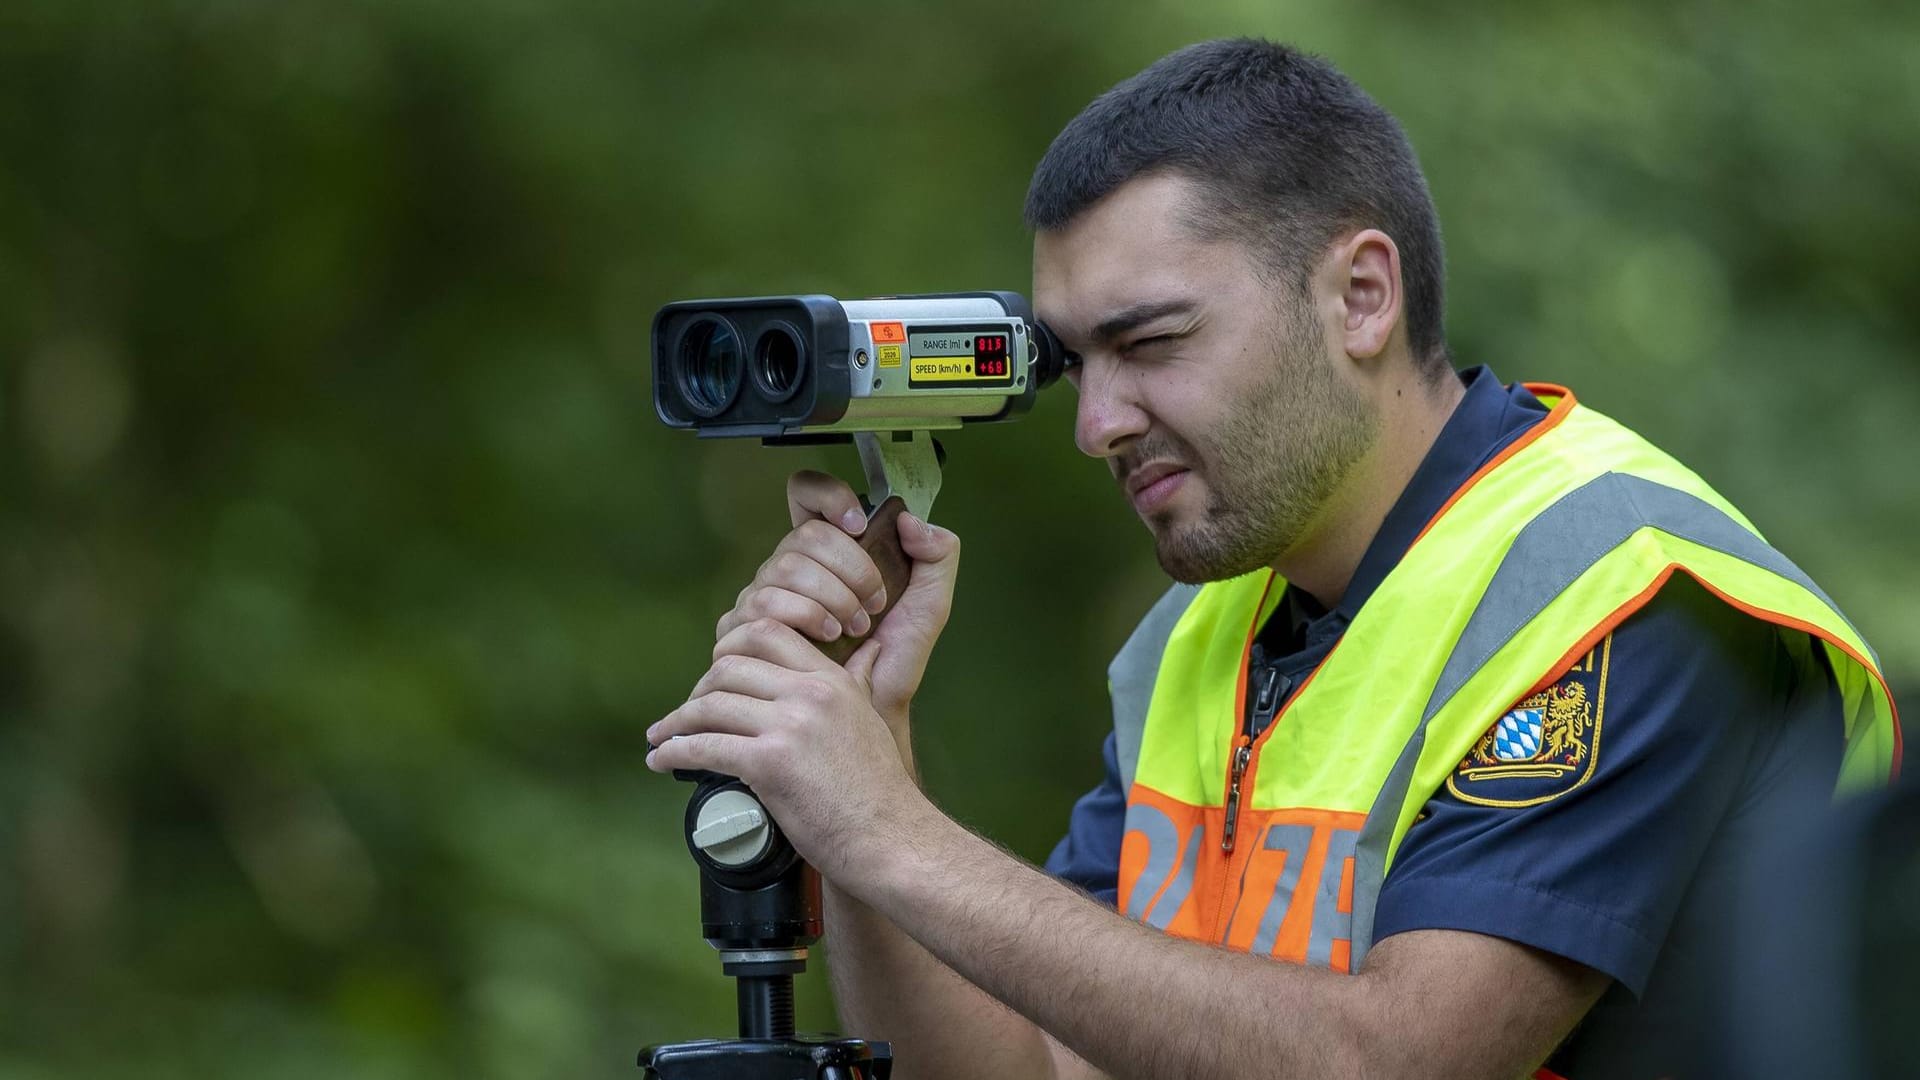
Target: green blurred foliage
344,561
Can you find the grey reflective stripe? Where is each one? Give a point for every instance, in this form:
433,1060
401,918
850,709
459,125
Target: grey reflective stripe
1163,847
1294,840
1131,676
1574,533
1329,925
1175,897
1547,557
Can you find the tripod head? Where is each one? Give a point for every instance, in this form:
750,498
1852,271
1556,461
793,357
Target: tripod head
759,902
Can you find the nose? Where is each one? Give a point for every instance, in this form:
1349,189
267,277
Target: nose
1107,417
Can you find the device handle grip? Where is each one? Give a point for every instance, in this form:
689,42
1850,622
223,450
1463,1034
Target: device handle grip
881,542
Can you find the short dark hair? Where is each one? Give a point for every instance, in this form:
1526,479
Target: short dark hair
1286,151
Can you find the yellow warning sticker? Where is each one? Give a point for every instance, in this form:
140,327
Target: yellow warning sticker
889,355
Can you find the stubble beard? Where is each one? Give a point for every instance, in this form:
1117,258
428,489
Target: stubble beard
1271,467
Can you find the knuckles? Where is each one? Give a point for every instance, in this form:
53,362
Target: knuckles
726,669
823,488
787,566
749,630
817,535
766,628
816,691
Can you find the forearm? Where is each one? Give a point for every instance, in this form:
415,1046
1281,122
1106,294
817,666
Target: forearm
890,987
1125,997
1140,1004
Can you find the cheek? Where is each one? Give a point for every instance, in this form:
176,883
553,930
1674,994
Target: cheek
1243,429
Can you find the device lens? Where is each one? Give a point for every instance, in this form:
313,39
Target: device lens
710,364
777,361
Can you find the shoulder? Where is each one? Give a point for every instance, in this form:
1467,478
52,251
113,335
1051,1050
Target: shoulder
1686,668
1582,820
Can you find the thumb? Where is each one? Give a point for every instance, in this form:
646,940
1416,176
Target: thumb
932,548
936,566
860,664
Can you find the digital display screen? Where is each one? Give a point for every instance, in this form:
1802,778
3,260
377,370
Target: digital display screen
990,356
958,357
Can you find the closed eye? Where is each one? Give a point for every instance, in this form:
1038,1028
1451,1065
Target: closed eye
1155,341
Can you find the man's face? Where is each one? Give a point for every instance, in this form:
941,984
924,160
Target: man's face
1215,393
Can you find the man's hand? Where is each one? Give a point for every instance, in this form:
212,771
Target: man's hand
802,732
820,583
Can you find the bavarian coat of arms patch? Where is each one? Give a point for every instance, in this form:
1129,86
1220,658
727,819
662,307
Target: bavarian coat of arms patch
1545,746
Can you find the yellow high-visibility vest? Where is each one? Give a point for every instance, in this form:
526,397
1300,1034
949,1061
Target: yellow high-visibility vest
1278,845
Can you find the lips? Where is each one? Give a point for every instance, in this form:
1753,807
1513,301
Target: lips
1149,486
1147,475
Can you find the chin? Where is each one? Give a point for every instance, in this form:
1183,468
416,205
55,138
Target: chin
1185,564
1197,559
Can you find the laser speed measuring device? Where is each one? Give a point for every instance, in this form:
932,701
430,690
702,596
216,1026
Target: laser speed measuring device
798,366
883,374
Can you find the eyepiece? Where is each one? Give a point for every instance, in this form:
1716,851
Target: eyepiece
710,367
777,361
1049,358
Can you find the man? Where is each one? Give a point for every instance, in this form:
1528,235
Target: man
1443,728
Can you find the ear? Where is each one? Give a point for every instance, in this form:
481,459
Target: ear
1365,271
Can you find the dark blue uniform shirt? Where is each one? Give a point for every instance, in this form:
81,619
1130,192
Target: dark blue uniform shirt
1702,724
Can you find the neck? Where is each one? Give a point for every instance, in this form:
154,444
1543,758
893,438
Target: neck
1411,413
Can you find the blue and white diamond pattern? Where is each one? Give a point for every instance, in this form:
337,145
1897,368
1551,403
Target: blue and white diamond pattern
1517,736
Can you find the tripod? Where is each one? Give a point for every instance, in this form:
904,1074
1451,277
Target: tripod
760,906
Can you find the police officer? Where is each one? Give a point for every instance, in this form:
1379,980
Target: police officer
1469,702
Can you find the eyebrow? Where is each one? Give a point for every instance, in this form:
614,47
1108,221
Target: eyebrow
1139,315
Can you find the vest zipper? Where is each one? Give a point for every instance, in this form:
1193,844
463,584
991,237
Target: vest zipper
1242,754
1258,711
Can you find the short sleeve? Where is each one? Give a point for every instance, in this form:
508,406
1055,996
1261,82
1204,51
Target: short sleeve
1578,822
1089,855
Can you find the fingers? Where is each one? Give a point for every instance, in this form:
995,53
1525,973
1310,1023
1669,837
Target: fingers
794,587
803,613
818,581
709,750
776,643
815,495
837,553
745,675
721,711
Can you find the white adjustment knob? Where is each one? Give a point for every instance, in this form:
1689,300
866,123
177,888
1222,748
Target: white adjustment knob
732,828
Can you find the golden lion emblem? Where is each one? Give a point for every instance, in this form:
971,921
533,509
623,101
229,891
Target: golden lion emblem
1565,714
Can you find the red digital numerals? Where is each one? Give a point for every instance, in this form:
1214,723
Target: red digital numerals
990,357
